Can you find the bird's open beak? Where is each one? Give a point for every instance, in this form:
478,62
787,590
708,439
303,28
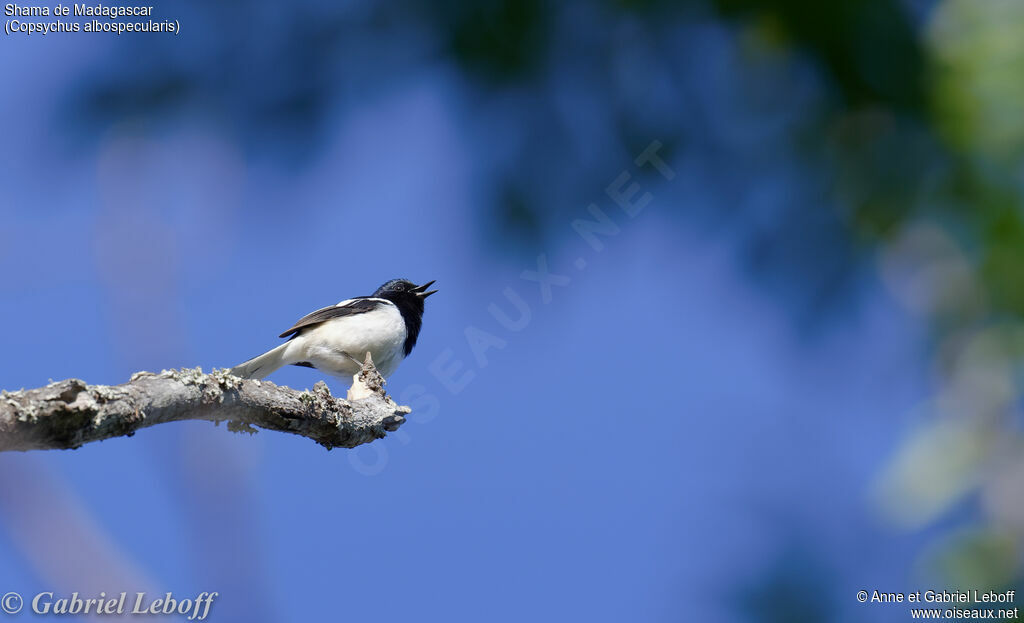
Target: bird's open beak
419,290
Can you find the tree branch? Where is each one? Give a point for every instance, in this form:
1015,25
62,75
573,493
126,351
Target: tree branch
69,413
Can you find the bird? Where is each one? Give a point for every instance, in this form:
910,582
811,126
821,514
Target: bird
335,339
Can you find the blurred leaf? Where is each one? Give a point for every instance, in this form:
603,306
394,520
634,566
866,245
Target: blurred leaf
977,64
496,40
978,559
867,46
933,471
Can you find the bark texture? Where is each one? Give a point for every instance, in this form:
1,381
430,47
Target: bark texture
69,413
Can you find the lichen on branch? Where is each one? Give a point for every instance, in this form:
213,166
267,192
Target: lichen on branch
70,413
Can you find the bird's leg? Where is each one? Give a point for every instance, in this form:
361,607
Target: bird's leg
354,360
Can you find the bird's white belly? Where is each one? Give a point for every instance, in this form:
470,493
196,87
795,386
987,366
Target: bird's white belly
339,346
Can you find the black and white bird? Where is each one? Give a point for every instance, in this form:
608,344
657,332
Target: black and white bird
336,339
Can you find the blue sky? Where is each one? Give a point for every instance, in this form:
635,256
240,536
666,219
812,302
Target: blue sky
656,441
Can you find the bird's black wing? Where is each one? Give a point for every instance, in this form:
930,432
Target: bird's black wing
350,308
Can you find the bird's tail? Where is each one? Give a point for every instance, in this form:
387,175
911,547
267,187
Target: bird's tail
259,367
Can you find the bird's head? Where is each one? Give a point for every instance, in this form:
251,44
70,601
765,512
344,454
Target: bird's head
404,292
